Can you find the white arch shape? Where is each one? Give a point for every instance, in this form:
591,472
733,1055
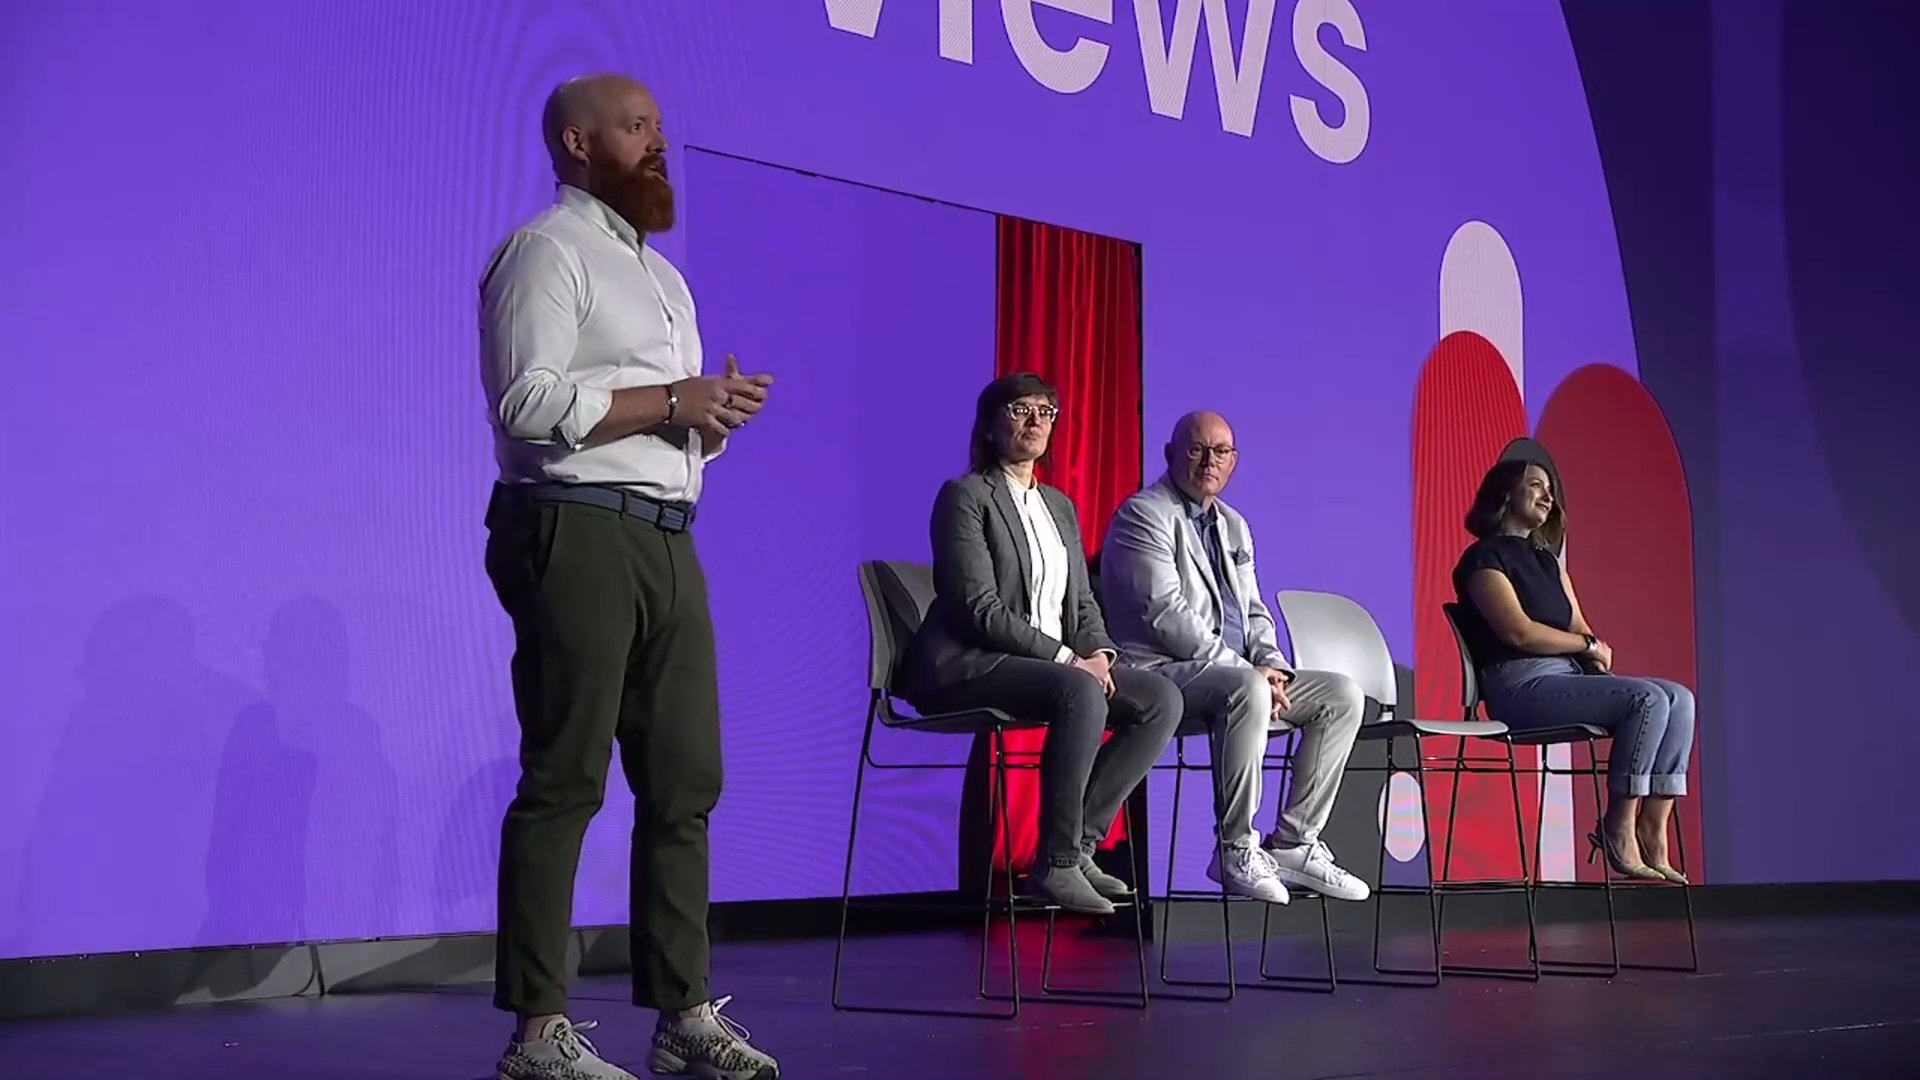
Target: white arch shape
1480,292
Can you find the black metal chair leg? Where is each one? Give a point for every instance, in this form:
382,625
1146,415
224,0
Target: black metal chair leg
997,750
1606,879
1446,855
1592,969
1526,875
1091,995
995,776
1181,769
1013,898
1173,848
1306,983
1686,892
986,906
1429,977
1380,892
1046,954
853,832
1520,885
1426,847
1309,983
1134,878
1686,906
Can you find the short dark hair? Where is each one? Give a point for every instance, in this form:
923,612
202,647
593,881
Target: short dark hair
982,454
1496,492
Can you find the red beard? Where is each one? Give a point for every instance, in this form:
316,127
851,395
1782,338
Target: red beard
642,195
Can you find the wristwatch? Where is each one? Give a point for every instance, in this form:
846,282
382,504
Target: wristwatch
673,402
1593,646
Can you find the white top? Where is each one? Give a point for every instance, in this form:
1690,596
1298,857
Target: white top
573,307
1047,587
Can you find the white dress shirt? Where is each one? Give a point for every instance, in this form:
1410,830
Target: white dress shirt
1047,586
573,307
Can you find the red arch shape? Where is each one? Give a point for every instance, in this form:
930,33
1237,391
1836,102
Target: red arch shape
1630,544
1466,410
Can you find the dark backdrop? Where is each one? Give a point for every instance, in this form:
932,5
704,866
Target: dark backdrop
1761,163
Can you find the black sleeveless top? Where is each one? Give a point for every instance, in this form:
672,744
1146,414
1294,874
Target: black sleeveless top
1535,574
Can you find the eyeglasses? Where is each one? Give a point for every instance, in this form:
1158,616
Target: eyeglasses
1020,410
1200,451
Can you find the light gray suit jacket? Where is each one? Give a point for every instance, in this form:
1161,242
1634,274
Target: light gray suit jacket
1158,587
981,566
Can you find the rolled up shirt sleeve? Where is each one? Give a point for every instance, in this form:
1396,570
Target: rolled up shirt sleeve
530,302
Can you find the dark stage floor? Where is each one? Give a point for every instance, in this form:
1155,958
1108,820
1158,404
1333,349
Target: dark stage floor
1815,997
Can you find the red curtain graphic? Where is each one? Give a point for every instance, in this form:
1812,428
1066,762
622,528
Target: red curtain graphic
1069,311
1466,410
1629,549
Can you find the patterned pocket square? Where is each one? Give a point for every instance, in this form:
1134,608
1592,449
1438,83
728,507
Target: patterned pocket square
1241,558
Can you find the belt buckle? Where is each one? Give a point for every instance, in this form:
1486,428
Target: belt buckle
673,518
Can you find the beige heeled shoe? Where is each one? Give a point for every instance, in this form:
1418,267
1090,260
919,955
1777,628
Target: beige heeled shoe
1666,870
1669,873
1638,871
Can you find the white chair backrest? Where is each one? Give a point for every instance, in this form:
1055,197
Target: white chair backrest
1332,633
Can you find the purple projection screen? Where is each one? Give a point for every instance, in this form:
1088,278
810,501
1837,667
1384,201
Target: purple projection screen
255,682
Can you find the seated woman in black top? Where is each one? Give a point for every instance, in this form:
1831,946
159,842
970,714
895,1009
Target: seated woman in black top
1541,666
1014,626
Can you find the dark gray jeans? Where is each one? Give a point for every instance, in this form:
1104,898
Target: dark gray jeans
1651,719
1083,783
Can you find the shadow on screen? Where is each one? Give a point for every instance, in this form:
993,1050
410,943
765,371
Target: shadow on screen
468,852
304,844
129,797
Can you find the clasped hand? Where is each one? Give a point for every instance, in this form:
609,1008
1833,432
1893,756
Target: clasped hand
1277,681
718,405
1099,666
1600,659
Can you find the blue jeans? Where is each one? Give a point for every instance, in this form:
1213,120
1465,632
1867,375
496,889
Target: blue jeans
1651,720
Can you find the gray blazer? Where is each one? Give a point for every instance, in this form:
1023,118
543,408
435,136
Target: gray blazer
1158,585
981,566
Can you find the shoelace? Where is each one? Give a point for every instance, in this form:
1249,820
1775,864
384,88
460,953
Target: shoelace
1259,865
1323,855
571,1044
727,1023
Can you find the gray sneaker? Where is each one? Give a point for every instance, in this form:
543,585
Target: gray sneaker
708,1046
1069,888
559,1052
1104,883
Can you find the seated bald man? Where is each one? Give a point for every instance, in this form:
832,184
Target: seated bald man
1181,598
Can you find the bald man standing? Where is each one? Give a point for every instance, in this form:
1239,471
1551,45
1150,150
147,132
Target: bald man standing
1181,598
603,425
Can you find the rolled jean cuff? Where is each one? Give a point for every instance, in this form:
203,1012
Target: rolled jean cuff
1633,787
1667,785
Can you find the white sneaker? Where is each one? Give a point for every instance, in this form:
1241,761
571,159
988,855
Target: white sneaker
1311,866
709,1046
559,1052
1248,872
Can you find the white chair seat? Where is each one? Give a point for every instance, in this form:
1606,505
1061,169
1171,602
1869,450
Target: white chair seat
1395,729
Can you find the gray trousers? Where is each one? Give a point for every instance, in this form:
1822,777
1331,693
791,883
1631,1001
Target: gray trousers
1083,782
1237,705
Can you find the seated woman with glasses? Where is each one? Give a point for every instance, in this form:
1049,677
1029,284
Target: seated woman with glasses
1540,665
1014,626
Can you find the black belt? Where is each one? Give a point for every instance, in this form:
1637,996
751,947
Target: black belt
668,516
